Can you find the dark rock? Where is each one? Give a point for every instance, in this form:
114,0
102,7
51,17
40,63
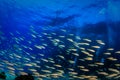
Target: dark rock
25,77
2,75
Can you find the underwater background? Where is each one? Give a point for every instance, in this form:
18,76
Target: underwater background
60,39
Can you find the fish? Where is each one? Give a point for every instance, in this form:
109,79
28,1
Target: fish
59,55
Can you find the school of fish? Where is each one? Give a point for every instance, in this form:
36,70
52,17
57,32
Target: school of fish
58,54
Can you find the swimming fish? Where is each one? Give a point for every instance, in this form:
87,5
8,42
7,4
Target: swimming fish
59,55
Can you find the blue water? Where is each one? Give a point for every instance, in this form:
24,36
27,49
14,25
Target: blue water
20,20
